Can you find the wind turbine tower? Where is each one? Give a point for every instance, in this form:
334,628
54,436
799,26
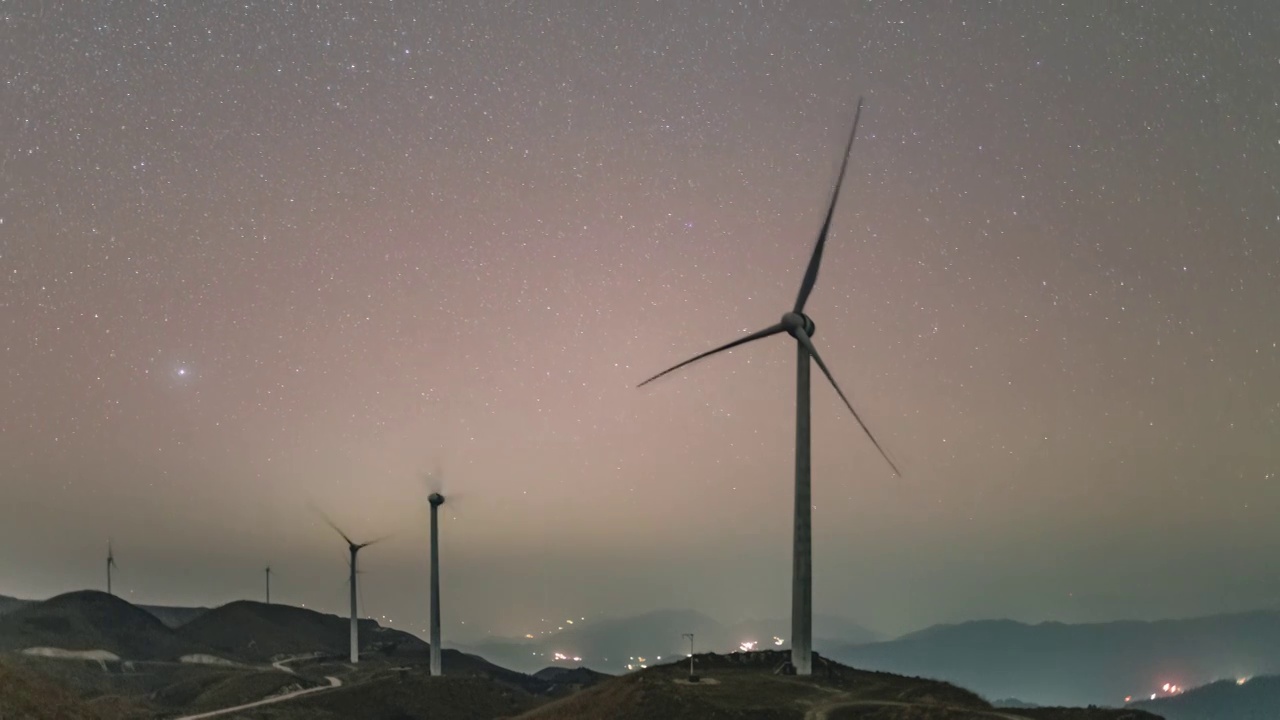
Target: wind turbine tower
799,326
268,584
111,562
353,548
436,499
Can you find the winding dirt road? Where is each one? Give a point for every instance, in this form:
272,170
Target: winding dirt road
333,683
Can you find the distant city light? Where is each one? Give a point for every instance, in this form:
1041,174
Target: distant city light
777,640
748,646
1242,681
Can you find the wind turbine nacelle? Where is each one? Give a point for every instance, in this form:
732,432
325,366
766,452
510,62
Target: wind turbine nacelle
799,321
436,499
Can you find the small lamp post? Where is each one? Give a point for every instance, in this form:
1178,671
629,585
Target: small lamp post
692,677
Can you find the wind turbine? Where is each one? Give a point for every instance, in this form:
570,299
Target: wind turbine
799,326
353,548
436,500
111,562
268,584
436,481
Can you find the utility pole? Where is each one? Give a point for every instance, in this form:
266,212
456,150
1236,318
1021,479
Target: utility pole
692,677
268,584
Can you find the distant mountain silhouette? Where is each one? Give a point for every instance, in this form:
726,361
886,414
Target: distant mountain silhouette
570,679
1013,703
1061,664
174,616
92,620
1257,699
610,644
828,630
258,632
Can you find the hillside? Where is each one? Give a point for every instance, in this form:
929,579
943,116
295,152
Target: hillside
92,620
31,696
404,696
743,685
609,644
9,604
171,616
1256,699
147,689
1061,664
259,632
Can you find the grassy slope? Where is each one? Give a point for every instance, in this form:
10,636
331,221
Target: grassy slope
744,687
228,689
400,697
26,694
158,688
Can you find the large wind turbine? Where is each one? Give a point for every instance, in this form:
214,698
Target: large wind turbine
354,548
799,326
436,499
111,562
436,482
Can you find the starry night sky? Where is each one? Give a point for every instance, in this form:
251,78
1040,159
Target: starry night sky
267,257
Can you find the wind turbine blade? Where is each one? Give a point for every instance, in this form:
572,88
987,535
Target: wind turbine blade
434,480
813,352
372,542
335,527
811,273
771,330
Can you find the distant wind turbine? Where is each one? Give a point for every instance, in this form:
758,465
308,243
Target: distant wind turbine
268,584
111,563
353,548
799,326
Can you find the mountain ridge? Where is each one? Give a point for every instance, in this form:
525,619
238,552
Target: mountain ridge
1055,663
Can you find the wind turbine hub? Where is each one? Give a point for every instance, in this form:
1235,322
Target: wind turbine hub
436,499
799,321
